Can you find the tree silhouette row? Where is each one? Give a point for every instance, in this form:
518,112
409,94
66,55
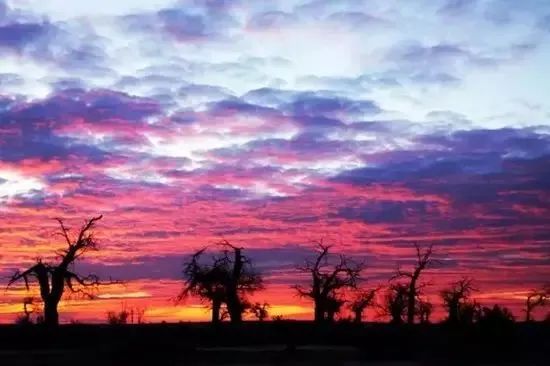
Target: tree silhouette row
224,277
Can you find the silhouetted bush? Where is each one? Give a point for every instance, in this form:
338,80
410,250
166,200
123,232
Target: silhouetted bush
496,316
118,318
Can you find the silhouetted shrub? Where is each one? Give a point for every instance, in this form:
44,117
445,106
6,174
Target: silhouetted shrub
114,318
496,316
23,320
260,311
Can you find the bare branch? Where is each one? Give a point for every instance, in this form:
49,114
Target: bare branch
89,224
64,231
87,284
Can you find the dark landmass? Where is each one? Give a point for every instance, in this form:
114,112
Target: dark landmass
279,342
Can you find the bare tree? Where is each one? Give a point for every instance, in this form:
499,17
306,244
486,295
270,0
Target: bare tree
224,281
424,260
53,279
535,299
139,315
455,297
205,281
361,302
424,310
328,278
260,311
241,279
395,304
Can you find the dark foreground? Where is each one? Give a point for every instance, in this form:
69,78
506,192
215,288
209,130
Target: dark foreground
275,343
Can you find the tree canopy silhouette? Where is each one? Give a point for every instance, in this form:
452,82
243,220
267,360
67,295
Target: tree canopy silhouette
495,317
53,279
455,298
328,278
535,299
363,299
395,305
424,310
224,280
423,260
260,311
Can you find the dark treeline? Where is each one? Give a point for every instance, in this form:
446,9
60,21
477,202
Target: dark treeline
223,276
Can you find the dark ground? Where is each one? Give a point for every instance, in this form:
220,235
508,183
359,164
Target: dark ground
278,343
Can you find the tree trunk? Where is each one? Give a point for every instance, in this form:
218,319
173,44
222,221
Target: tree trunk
234,307
236,316
216,306
396,319
453,313
411,302
234,304
319,315
358,316
410,311
51,316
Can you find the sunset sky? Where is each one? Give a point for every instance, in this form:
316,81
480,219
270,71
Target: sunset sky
373,124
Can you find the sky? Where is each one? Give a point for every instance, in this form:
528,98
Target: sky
373,124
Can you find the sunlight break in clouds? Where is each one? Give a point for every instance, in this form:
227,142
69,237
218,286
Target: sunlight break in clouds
272,123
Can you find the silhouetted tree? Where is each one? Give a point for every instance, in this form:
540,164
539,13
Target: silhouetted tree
535,299
118,318
137,315
455,297
126,315
495,316
396,303
469,312
424,260
226,280
260,311
53,279
327,279
242,279
361,302
333,306
424,310
207,281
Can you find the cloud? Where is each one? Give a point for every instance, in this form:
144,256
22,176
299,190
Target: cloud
203,22
54,127
18,36
312,105
271,20
544,23
457,7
